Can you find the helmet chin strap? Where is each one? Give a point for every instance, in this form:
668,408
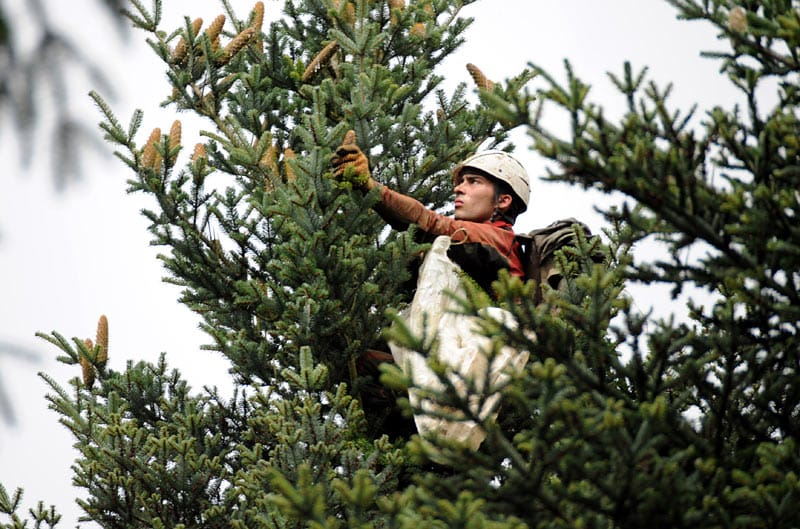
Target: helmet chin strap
499,215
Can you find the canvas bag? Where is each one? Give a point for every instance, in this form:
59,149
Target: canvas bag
538,252
433,312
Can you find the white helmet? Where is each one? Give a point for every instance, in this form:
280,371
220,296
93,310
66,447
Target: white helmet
501,165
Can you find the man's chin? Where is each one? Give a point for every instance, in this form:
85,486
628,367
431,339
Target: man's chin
463,217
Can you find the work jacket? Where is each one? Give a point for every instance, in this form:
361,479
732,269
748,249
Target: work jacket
480,248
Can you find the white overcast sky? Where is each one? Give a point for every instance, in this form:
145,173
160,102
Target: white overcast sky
68,258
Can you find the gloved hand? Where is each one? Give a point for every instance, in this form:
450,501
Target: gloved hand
350,164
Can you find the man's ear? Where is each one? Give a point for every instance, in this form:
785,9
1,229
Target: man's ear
504,201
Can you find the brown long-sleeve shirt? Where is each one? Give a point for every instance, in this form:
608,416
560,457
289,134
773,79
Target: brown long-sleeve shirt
396,207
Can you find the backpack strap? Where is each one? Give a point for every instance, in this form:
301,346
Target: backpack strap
531,263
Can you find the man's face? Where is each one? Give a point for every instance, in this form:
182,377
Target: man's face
475,200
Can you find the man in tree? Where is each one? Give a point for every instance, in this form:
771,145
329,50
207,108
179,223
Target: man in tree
491,190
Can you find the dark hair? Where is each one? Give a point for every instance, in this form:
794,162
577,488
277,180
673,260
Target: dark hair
503,188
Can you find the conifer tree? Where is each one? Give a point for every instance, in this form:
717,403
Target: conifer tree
291,274
617,421
671,423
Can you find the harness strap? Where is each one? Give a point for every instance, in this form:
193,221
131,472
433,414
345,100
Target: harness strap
532,264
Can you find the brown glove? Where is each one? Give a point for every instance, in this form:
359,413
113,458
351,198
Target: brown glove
350,164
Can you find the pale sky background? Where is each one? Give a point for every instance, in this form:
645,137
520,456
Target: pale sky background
67,258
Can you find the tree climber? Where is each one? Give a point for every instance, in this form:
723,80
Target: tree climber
491,189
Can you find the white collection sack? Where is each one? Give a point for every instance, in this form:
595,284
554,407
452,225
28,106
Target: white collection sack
459,345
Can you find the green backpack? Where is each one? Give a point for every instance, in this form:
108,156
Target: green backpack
538,251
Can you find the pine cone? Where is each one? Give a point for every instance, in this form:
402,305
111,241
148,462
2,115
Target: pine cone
737,19
258,16
87,369
149,153
236,45
179,53
215,28
349,14
174,140
483,82
317,62
102,341
393,5
269,162
258,22
199,153
288,155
